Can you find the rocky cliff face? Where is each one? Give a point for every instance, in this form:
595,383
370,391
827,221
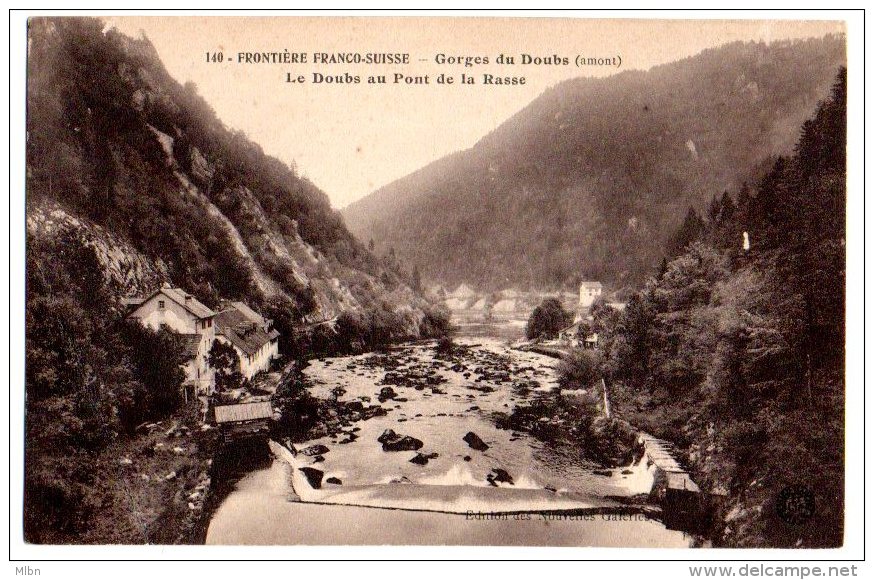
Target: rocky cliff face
141,170
123,265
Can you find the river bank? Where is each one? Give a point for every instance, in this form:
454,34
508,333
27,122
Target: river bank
153,486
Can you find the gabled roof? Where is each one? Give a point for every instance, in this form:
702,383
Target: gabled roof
249,313
243,412
575,328
191,345
189,302
177,295
243,333
572,328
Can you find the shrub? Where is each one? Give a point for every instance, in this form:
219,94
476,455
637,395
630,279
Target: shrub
548,320
299,411
224,359
436,323
579,369
156,359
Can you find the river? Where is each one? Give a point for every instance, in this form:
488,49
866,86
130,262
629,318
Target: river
551,496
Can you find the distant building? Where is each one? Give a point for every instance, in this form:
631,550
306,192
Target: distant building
506,305
251,335
180,312
463,292
589,292
571,337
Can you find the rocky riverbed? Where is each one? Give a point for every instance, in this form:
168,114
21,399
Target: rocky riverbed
425,416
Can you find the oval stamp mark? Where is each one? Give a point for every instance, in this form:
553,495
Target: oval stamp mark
796,504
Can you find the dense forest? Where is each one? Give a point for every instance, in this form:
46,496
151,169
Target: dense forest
734,350
132,181
590,178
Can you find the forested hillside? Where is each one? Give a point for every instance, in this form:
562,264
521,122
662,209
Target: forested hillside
590,179
132,181
113,140
737,355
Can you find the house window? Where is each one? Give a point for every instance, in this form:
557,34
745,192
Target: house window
161,304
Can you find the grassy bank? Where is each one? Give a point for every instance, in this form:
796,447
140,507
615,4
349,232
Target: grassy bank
152,487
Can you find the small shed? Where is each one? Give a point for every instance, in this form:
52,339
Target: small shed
244,420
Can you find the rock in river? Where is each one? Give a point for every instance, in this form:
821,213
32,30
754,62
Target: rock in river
498,475
314,450
385,394
423,458
314,476
404,443
473,440
387,435
391,441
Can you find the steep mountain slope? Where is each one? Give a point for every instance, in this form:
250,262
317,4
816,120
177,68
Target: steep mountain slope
132,181
591,178
140,167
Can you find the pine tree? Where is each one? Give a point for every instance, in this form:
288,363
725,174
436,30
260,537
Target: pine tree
727,208
663,267
417,278
690,231
743,205
713,211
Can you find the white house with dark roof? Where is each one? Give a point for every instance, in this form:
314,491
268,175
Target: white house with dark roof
181,312
252,336
589,292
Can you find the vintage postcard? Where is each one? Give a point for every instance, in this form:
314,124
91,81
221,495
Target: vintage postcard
437,281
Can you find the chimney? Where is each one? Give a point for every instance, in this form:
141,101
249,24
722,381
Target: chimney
187,298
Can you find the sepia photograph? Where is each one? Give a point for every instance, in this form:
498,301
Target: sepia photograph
436,281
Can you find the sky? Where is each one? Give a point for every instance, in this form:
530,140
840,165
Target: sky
351,139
